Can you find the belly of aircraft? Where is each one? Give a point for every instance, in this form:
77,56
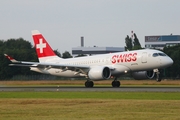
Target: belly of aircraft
65,73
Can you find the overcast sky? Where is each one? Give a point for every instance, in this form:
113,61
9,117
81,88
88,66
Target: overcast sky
101,22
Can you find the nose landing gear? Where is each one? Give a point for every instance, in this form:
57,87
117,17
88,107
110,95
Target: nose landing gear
158,75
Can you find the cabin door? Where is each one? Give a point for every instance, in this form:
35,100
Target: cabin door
144,57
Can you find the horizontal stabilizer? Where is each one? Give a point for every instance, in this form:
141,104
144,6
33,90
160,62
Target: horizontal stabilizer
10,58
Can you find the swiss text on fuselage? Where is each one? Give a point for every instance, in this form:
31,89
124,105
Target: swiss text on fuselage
130,57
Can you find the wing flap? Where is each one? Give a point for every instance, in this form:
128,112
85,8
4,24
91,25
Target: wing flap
49,65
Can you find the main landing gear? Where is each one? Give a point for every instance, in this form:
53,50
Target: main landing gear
116,83
89,84
158,75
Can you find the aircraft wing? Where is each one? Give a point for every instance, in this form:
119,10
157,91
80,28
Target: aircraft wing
42,65
51,65
46,66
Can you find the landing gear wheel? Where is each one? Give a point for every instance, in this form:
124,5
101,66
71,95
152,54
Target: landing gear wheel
158,79
116,83
89,84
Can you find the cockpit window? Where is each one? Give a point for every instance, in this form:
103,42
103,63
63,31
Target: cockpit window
162,54
158,54
155,54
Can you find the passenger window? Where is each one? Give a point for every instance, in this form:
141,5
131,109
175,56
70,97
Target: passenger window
155,55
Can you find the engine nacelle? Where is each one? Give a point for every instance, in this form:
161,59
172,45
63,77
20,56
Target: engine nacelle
143,75
99,73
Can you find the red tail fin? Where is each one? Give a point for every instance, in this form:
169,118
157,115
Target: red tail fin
43,49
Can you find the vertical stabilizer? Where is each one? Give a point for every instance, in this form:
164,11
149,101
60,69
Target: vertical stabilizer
43,49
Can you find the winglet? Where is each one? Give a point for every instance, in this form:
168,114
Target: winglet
10,58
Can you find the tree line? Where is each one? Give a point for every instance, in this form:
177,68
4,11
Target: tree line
23,50
19,49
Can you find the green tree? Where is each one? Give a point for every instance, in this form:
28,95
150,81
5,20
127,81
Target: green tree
81,55
66,54
128,42
5,71
136,43
174,70
19,49
57,53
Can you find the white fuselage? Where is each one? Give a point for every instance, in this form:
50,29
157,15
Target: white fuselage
119,63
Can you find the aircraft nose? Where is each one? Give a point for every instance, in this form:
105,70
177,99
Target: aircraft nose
169,62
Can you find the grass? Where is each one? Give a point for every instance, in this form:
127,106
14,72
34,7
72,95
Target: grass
89,105
93,95
88,109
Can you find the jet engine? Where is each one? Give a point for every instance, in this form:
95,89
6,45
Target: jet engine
99,73
143,75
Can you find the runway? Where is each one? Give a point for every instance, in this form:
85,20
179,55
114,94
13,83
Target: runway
80,88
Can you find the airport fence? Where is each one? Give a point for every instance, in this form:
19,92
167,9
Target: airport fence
51,77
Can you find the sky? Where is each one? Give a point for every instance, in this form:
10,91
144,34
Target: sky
103,23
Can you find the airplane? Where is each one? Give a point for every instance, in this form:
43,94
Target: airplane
142,64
